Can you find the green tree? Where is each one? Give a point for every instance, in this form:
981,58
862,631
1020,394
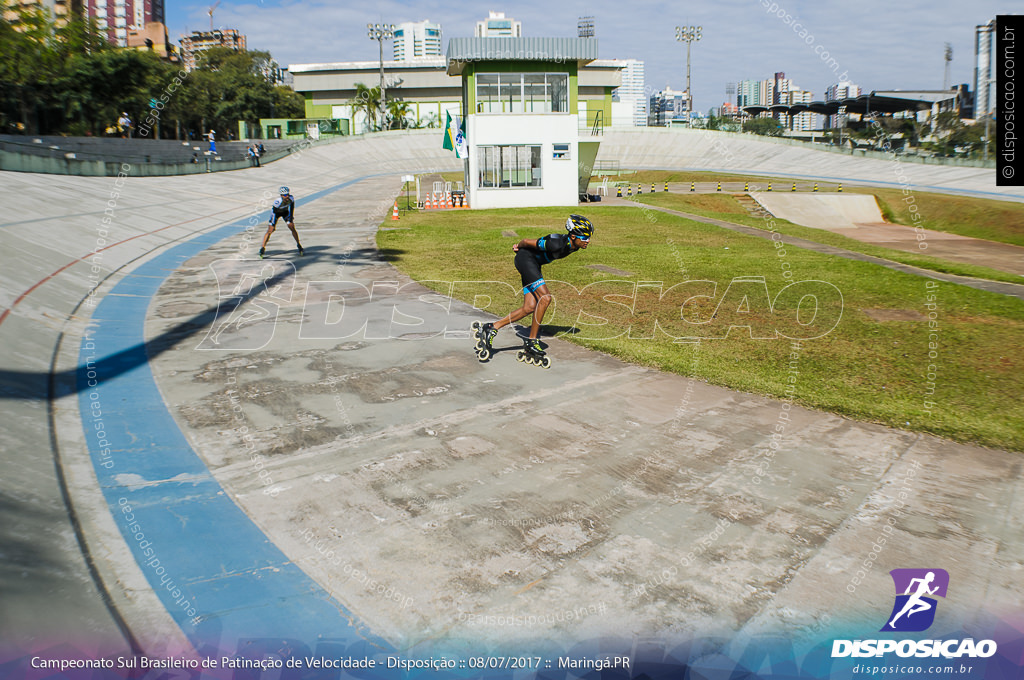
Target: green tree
28,64
763,126
367,101
398,115
287,103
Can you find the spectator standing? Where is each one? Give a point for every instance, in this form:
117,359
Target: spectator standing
124,125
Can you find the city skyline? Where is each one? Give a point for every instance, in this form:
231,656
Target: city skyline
878,45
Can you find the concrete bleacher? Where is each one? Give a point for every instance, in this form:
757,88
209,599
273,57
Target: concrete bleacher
641,148
682,149
137,150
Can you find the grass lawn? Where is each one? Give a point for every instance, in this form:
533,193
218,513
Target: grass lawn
724,207
985,218
863,368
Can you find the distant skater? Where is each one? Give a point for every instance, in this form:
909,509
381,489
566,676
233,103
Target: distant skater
284,206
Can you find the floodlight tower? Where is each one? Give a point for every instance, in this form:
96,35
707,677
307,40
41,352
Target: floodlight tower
380,33
688,34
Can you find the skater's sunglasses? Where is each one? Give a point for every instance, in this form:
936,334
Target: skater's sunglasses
581,238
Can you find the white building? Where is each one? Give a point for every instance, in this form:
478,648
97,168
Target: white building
666,106
417,40
842,90
497,25
526,145
632,93
984,69
805,121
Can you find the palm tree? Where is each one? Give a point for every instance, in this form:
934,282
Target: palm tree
398,114
367,100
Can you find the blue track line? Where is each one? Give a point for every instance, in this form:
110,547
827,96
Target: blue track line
217,574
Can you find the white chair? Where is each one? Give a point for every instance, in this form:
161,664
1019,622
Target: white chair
447,187
438,187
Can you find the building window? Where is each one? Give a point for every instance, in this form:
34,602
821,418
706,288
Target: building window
508,166
522,93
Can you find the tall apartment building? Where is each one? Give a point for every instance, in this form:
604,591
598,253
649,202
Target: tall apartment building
666,106
58,9
805,121
497,25
755,93
984,69
417,40
780,86
117,17
842,90
200,41
632,90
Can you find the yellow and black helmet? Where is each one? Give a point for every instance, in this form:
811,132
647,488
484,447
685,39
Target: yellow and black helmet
580,227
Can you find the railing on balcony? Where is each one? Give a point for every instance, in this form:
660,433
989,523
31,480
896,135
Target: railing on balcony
593,124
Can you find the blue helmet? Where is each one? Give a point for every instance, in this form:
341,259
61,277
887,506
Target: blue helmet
284,191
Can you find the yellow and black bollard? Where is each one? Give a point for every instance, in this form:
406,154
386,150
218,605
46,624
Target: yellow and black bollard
746,187
629,190
652,187
618,192
691,186
794,187
815,186
719,187
769,186
666,186
639,188
840,187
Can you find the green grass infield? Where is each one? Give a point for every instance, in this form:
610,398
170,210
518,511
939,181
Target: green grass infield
848,337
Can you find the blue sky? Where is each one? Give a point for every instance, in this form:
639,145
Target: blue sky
881,44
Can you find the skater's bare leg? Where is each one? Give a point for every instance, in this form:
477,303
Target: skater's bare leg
295,234
529,304
543,300
266,237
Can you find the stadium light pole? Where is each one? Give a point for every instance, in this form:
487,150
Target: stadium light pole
688,34
380,33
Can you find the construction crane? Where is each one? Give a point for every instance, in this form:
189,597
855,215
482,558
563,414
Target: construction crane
210,12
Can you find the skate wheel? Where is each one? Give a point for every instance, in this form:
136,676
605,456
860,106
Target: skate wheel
480,345
483,355
476,325
520,355
545,362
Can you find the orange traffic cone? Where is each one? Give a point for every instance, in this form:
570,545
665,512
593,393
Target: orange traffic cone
450,205
394,213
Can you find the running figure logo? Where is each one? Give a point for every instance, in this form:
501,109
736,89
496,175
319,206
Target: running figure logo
914,609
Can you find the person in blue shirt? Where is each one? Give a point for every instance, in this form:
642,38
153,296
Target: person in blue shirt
284,206
531,255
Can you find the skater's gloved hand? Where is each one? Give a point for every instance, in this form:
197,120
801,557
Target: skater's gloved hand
515,247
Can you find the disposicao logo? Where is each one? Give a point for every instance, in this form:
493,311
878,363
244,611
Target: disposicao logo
913,612
914,609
